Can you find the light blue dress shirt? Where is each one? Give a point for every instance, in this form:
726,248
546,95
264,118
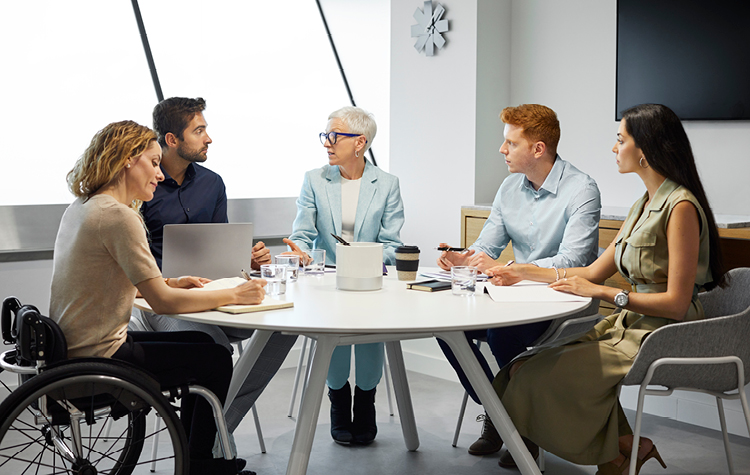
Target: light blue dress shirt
557,225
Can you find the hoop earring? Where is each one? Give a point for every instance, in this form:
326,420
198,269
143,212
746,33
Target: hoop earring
640,162
356,154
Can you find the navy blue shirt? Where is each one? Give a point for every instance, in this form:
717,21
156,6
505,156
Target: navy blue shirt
202,198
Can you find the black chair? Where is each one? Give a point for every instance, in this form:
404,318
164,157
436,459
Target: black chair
55,420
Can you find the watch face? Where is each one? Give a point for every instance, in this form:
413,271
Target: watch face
621,299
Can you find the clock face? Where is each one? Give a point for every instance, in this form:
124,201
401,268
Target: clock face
429,28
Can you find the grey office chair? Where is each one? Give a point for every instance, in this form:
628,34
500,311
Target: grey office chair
561,330
711,356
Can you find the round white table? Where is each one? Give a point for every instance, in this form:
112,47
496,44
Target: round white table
335,317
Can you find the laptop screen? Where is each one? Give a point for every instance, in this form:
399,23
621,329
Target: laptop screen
212,250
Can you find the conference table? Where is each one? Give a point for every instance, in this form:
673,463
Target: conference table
336,317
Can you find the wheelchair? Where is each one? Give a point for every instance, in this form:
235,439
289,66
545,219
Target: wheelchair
84,416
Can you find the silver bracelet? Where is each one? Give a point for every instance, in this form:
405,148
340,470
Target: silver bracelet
565,273
557,274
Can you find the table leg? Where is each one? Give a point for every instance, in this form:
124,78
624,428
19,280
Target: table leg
246,362
307,419
403,395
490,401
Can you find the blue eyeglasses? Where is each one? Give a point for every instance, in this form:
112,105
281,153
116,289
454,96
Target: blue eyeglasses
333,136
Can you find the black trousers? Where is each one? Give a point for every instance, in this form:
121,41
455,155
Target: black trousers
179,358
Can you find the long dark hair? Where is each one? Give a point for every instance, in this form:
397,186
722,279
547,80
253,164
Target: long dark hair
658,132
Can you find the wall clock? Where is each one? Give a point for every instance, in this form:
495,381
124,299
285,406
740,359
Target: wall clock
429,28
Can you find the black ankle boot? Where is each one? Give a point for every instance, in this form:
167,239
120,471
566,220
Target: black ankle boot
341,414
364,428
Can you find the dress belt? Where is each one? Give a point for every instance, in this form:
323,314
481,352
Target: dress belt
654,288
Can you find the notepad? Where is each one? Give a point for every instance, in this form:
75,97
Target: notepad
268,303
429,285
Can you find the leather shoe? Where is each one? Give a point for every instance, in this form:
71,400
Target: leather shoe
506,459
489,442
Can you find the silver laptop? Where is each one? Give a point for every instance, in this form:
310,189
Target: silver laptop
212,250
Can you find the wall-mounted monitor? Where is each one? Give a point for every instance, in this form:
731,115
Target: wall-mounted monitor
690,55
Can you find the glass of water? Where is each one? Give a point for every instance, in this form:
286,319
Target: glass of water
463,280
317,264
292,264
275,275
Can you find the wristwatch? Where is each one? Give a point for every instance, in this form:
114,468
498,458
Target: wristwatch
622,299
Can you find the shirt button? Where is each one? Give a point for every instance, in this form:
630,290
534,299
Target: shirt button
188,210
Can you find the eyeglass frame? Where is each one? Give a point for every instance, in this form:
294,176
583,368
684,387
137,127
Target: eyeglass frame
327,137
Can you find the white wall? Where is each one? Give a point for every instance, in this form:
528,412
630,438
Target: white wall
561,54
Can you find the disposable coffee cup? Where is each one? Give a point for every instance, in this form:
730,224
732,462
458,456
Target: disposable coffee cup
407,262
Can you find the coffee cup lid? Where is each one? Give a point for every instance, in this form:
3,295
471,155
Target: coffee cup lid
407,249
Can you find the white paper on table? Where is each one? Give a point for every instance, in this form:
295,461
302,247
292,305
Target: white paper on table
445,276
528,291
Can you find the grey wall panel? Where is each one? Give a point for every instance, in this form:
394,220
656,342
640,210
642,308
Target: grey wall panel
28,232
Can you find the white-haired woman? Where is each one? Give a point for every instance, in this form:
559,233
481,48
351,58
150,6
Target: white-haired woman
353,199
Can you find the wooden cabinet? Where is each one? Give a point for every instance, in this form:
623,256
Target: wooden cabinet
735,244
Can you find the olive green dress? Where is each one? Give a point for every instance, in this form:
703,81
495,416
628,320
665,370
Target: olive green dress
565,398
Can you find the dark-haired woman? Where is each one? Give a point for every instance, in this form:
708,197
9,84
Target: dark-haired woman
565,399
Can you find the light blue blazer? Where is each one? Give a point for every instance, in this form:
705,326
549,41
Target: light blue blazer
379,218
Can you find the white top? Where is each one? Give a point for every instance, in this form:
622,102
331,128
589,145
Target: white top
320,308
349,199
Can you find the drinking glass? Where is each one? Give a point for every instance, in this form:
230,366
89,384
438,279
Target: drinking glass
463,280
292,263
318,263
275,275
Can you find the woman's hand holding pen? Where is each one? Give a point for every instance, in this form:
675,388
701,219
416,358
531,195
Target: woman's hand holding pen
506,274
449,259
250,292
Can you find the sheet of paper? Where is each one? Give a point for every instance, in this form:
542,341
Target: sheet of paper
527,291
445,276
268,303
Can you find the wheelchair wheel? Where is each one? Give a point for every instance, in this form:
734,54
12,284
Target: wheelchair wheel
55,423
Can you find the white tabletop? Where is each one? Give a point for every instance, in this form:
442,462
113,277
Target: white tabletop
393,313
320,308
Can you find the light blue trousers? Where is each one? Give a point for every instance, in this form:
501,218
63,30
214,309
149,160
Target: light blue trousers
368,365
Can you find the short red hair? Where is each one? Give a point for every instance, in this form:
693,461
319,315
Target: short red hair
539,123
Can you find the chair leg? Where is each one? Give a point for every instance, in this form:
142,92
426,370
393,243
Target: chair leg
258,430
637,428
297,374
723,423
460,419
155,446
387,376
540,459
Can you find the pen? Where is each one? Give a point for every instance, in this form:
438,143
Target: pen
453,249
244,274
510,262
340,239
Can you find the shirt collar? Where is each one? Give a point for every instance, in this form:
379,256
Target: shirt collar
552,182
168,180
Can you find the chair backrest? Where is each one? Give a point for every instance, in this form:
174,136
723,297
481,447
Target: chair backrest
570,326
717,335
37,338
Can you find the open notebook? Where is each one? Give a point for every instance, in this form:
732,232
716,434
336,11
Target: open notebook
268,303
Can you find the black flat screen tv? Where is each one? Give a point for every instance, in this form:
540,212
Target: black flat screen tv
691,55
